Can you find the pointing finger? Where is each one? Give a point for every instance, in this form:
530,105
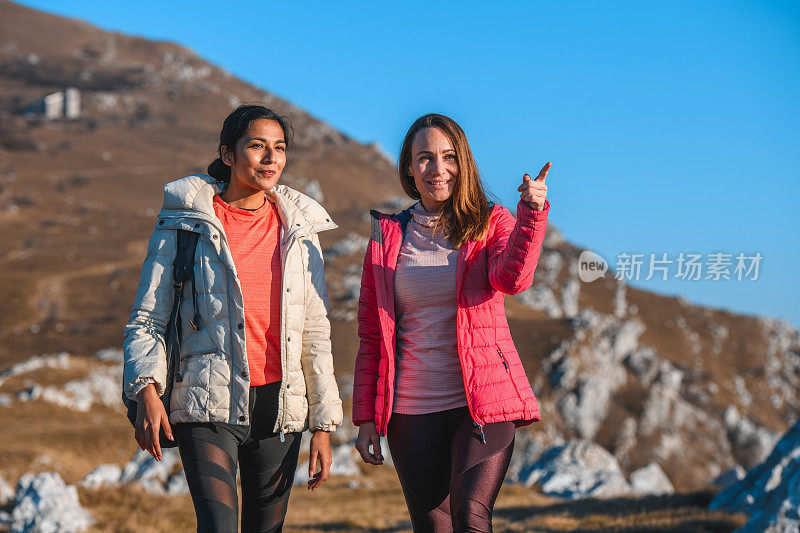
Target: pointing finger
543,173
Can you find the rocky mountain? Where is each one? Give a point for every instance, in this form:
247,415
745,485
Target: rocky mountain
769,492
630,381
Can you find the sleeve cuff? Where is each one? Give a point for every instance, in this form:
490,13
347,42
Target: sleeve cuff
325,427
526,212
141,383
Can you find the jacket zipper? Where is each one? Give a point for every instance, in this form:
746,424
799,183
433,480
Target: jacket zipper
508,371
386,414
285,348
383,423
289,238
475,423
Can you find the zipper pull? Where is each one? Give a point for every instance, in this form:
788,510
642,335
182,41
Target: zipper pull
483,436
505,363
283,439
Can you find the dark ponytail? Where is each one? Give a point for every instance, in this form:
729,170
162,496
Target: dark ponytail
234,128
219,170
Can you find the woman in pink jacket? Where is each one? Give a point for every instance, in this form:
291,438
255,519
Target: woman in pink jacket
437,371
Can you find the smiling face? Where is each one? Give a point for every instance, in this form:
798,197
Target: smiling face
258,158
434,167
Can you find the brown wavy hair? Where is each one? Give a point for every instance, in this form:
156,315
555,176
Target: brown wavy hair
465,215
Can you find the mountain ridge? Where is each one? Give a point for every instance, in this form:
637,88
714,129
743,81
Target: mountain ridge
649,377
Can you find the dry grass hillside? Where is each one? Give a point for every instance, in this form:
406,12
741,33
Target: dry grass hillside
648,377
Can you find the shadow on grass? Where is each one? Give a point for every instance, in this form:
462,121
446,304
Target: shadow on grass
350,528
678,512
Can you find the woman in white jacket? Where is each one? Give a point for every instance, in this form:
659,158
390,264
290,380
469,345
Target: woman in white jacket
255,364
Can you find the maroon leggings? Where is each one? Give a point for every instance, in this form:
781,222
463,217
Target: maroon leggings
450,478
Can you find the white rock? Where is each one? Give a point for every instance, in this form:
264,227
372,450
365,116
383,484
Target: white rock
344,464
569,297
6,492
344,461
44,503
177,484
620,303
577,469
59,360
741,391
345,383
393,205
644,362
626,439
552,262
344,315
750,443
31,394
553,236
351,244
587,369
360,483
100,386
113,355
541,297
6,400
347,433
143,466
348,289
153,486
769,492
103,476
528,447
662,399
314,190
319,132
729,477
651,479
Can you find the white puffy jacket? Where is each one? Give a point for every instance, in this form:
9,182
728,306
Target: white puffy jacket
213,363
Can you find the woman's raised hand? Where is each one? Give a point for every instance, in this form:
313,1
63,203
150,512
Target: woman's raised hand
150,418
368,434
534,191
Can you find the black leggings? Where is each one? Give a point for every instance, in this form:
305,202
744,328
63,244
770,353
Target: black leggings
450,478
210,451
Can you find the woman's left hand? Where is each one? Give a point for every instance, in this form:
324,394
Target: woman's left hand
320,451
534,191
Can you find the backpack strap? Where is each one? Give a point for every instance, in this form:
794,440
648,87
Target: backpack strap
182,271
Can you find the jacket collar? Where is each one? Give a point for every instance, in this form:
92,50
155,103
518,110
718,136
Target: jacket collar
405,215
192,197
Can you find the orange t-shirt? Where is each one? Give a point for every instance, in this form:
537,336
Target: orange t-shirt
253,239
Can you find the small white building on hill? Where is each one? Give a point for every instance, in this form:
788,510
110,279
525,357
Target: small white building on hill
63,104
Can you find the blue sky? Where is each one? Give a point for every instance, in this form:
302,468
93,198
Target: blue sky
672,126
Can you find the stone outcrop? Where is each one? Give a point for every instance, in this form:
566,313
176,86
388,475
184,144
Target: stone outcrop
587,369
650,479
576,469
769,493
44,503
